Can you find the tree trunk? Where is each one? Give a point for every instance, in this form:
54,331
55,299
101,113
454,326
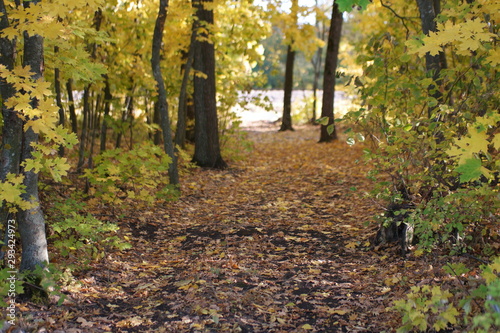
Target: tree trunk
286,120
12,130
207,147
317,61
317,72
162,103
328,132
31,222
180,133
57,87
85,128
107,108
71,107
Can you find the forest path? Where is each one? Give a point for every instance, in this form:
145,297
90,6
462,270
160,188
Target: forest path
275,243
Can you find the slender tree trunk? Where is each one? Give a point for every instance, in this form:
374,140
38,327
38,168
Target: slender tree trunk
316,66
286,120
57,87
317,62
162,103
71,106
207,147
107,108
328,132
180,133
85,128
31,222
157,120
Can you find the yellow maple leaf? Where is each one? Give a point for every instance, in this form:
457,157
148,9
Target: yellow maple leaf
41,89
494,57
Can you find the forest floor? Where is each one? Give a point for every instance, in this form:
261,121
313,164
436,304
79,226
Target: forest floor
281,241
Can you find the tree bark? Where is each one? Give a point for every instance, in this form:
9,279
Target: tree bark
180,133
107,108
71,106
317,61
331,61
286,120
12,130
57,87
31,222
85,129
207,147
162,103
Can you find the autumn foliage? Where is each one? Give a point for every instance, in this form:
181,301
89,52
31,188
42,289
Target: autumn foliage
393,226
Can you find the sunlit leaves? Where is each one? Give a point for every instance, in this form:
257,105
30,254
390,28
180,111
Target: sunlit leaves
33,104
466,28
10,193
138,174
470,149
468,36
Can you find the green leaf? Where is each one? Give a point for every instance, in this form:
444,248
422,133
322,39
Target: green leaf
323,121
330,129
470,170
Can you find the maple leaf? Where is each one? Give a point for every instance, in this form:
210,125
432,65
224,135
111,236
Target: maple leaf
10,192
59,168
41,89
33,164
494,57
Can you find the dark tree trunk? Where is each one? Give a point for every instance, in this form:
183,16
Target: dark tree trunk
12,130
31,221
85,128
71,106
207,147
316,66
157,121
180,133
57,87
286,120
317,61
107,108
433,63
328,132
162,103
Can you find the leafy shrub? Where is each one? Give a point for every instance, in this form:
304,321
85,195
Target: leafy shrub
439,154
139,174
430,307
75,232
86,235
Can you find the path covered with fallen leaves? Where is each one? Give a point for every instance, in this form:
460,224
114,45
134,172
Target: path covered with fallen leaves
276,243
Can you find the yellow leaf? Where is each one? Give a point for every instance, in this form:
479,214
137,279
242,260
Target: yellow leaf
307,327
351,245
338,311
